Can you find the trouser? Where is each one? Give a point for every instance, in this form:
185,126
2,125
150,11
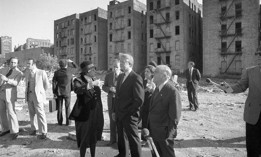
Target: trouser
163,149
37,108
128,134
59,103
192,95
253,139
8,116
112,123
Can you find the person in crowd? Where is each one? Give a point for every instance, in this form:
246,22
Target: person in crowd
37,83
87,111
62,87
10,78
164,112
149,88
129,98
251,80
193,76
109,87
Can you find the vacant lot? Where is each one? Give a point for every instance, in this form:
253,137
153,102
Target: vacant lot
215,130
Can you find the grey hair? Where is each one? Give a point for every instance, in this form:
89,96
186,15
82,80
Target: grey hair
127,57
164,69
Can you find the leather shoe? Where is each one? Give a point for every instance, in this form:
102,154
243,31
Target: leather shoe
42,136
4,133
14,136
33,133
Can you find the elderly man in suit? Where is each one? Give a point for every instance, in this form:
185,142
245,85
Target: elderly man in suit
164,112
109,87
129,98
251,80
36,85
62,87
193,76
10,78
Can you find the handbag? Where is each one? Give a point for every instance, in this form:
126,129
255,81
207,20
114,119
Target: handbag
80,112
52,105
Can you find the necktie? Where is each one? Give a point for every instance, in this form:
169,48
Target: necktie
9,72
155,93
122,79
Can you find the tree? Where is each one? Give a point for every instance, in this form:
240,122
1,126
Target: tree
47,62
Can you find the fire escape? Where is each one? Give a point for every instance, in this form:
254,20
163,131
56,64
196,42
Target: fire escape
63,37
87,38
227,34
162,34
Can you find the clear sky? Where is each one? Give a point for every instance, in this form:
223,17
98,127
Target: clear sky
22,19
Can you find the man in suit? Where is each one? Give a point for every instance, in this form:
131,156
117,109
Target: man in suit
193,76
10,78
37,83
251,80
62,87
109,87
129,98
164,112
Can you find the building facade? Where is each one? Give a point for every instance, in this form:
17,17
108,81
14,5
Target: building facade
66,38
93,38
174,33
127,32
34,43
231,35
5,45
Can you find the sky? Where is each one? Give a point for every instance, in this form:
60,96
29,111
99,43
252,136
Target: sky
22,19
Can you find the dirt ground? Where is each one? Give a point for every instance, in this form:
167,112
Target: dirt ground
217,129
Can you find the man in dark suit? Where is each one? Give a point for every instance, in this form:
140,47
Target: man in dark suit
193,76
62,87
164,112
251,80
129,98
109,87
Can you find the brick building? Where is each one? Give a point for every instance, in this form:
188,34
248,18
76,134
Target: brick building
231,35
93,37
174,33
66,38
5,45
127,31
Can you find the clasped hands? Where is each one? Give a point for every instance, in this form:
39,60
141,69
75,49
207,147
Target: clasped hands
91,84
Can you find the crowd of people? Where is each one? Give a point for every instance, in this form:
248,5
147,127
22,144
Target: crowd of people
151,98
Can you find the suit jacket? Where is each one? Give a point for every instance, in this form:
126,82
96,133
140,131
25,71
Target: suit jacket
10,88
129,96
195,76
251,78
87,99
62,82
41,84
165,112
108,83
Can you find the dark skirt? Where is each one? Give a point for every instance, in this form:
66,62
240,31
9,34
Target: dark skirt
90,131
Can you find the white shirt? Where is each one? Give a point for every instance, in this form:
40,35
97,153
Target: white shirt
162,85
126,75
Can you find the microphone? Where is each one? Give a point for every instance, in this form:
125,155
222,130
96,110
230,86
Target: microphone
145,132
